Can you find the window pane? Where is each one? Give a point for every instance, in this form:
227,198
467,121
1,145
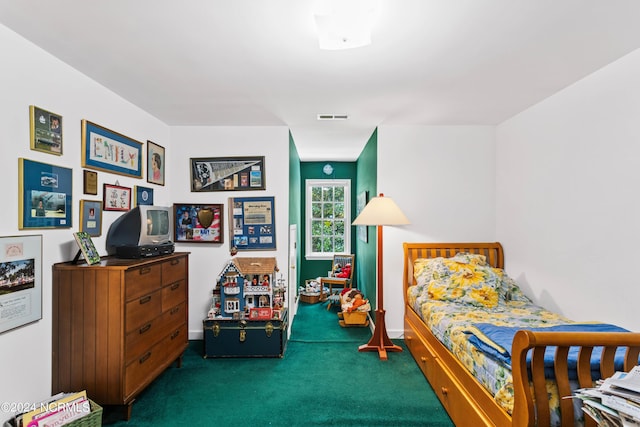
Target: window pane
316,244
316,194
327,228
328,210
328,217
327,194
339,210
339,230
339,245
316,210
328,244
339,194
316,228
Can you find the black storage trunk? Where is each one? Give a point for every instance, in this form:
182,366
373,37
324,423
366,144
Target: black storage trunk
245,338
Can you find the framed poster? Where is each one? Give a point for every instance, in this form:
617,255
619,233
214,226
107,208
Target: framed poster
361,202
227,173
46,130
91,217
21,281
116,198
155,163
142,196
253,225
198,223
44,195
110,151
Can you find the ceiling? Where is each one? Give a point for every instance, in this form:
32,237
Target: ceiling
257,62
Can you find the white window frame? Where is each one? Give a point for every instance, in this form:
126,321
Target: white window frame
309,183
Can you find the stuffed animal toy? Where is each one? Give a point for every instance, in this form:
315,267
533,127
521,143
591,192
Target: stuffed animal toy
357,302
346,272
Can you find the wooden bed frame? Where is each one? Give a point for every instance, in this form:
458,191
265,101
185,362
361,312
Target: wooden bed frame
469,403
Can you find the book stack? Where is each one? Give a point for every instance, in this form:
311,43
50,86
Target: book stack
59,410
614,401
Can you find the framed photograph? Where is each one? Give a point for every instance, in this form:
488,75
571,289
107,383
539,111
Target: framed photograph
252,223
227,173
91,217
21,278
46,130
361,202
110,151
90,182
198,223
155,163
142,196
44,195
116,198
87,248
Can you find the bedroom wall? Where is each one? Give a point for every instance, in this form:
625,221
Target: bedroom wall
443,179
567,202
30,76
207,260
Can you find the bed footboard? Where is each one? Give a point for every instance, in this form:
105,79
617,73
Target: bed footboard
530,402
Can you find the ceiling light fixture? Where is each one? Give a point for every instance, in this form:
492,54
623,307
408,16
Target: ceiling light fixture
345,24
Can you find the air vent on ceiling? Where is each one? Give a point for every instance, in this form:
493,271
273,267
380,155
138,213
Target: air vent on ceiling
332,117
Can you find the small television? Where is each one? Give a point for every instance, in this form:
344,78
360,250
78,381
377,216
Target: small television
143,231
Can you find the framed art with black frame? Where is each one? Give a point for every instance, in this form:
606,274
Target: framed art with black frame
110,151
21,267
198,223
46,130
227,174
142,196
252,223
44,195
155,163
91,217
116,198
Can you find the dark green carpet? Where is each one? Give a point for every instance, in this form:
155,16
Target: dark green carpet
322,380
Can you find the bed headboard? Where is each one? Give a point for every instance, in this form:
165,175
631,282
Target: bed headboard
413,251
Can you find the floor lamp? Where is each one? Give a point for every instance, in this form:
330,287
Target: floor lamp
380,211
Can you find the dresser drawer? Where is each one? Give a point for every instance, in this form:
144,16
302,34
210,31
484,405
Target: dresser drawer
141,281
144,337
173,294
174,317
174,270
175,343
140,310
140,369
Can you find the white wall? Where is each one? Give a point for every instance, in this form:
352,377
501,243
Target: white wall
443,179
30,76
567,198
207,260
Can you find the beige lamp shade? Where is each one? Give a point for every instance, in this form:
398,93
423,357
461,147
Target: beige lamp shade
381,211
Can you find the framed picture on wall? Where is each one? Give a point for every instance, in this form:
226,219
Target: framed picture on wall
227,174
116,198
46,130
252,223
44,196
198,223
142,196
156,163
110,151
91,217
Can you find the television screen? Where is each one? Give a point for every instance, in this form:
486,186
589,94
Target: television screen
157,222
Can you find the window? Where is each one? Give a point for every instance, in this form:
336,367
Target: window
328,218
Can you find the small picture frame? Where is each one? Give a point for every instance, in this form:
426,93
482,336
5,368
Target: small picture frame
44,196
260,313
87,248
90,182
91,217
46,130
116,198
156,164
198,223
142,196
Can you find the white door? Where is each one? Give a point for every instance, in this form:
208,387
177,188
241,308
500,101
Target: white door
292,292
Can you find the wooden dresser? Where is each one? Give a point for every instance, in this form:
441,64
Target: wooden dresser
118,324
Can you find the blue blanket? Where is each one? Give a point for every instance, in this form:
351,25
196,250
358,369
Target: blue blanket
496,341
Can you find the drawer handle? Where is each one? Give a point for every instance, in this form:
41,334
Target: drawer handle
444,391
145,358
145,270
174,310
145,328
145,300
423,359
175,286
175,261
175,334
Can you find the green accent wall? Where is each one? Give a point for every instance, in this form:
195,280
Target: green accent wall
295,199
310,269
367,180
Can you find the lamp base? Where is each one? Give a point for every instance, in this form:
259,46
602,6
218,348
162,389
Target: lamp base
380,341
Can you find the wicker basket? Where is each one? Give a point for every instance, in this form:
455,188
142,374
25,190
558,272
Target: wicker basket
354,318
94,419
310,299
